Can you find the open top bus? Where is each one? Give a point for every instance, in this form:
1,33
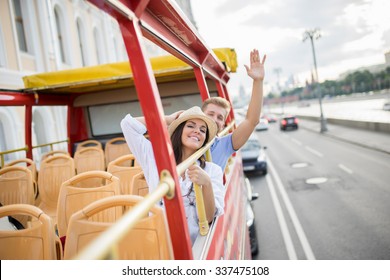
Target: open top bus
97,98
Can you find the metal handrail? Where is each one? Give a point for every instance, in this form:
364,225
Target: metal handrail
50,144
10,152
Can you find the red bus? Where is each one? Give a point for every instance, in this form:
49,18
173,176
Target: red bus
97,98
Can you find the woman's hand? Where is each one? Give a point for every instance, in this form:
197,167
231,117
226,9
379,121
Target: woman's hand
198,176
170,118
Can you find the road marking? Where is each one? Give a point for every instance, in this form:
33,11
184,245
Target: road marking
296,141
346,169
294,218
317,153
292,255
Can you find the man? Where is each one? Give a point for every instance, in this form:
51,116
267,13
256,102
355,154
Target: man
218,108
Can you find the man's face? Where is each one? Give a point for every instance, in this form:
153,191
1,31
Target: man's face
218,114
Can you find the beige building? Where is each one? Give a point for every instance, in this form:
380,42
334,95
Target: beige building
50,35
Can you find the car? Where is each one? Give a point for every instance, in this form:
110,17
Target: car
262,125
253,155
386,106
289,121
271,118
250,218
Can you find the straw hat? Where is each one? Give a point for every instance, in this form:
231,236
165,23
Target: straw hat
195,113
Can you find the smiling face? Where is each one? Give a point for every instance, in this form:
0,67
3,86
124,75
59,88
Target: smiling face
194,135
217,113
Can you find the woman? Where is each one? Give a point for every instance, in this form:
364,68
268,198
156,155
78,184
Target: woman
190,130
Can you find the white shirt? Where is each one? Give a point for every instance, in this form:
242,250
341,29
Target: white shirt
141,148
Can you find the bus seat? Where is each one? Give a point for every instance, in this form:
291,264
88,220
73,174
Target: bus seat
123,168
149,239
139,185
89,159
16,186
53,172
53,153
89,143
38,242
74,196
30,164
115,148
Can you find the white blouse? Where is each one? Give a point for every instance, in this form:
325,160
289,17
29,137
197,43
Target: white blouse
141,147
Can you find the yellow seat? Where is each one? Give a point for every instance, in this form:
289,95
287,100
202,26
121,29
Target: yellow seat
88,144
53,172
89,159
74,196
53,153
149,239
16,186
139,186
115,148
38,242
123,168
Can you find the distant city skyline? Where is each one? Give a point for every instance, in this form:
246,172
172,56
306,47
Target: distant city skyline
355,33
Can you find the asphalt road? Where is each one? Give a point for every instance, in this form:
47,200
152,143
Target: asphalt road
322,198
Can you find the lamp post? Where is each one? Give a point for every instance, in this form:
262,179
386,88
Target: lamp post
315,34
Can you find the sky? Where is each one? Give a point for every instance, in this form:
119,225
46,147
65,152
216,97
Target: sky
354,33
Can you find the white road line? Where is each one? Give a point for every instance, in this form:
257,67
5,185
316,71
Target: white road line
317,153
296,141
346,169
292,255
294,218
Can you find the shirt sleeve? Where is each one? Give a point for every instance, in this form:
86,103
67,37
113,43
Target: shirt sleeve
141,148
216,176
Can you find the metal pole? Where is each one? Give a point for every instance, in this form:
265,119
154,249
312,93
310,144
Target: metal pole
311,34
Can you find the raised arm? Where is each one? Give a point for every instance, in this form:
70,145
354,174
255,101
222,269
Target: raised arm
246,127
168,119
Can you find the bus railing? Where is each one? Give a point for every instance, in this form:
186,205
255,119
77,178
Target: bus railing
2,154
50,144
103,247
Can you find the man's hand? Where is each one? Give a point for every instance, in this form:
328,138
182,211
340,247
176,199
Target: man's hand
256,69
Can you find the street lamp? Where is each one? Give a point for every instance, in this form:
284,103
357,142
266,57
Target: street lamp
315,34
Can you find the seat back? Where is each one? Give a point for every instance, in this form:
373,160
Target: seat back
53,172
123,168
38,242
115,148
74,196
88,144
30,164
148,239
54,153
89,159
139,186
17,187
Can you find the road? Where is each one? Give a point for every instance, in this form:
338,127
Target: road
321,199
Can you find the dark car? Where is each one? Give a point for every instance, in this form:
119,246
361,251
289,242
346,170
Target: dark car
250,218
253,155
288,122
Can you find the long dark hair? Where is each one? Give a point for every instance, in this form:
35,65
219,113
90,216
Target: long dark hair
178,144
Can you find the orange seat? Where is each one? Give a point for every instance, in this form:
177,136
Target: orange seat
88,144
89,159
53,153
38,242
16,186
53,172
74,196
30,164
115,148
123,168
149,239
139,186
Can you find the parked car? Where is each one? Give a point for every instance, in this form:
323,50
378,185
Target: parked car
250,218
262,125
288,122
253,155
386,105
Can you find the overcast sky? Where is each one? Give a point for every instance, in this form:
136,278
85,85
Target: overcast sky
354,33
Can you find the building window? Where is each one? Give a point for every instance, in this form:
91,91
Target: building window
3,146
60,37
2,49
20,26
80,34
98,46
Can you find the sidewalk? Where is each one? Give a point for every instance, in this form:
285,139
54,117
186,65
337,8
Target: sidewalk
370,139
